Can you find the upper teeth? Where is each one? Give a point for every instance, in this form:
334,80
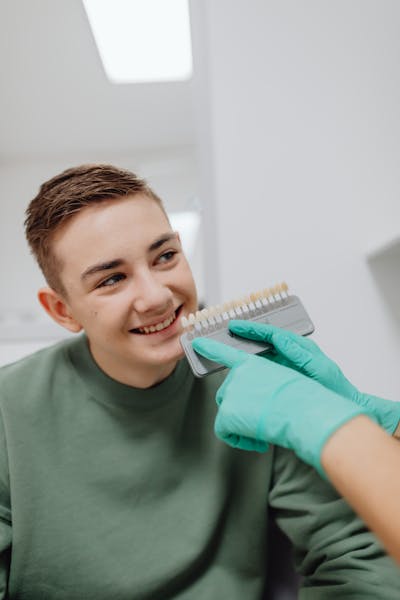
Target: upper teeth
158,327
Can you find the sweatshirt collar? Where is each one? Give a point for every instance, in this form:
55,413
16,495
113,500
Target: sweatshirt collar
109,391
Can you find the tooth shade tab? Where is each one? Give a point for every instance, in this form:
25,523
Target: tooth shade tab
212,318
284,288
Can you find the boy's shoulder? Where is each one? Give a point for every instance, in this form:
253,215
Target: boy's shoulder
29,371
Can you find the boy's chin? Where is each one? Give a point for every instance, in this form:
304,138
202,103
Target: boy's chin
171,358
170,355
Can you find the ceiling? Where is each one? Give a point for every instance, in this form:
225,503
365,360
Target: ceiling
55,98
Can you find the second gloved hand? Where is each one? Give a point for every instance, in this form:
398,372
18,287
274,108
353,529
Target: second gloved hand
304,355
262,402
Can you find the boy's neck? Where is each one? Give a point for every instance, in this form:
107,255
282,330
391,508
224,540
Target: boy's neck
139,377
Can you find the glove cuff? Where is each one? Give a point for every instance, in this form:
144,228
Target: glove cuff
385,412
319,415
352,414
396,432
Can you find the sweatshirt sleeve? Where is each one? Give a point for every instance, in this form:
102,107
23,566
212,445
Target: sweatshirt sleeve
5,516
337,556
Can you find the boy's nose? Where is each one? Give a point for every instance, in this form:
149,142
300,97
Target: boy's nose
151,295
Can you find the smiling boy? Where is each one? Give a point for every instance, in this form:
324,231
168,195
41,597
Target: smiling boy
126,287
112,482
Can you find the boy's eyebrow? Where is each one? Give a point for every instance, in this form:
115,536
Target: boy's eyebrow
105,266
117,262
161,240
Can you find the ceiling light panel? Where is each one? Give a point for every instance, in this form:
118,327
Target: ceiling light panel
142,41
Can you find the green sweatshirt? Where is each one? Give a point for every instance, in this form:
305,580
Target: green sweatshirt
108,492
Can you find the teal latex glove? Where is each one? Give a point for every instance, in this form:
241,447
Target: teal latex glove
261,402
305,356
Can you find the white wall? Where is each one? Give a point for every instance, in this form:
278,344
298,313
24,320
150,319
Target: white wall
24,327
298,108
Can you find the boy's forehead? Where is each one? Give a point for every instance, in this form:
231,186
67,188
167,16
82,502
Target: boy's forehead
137,214
112,226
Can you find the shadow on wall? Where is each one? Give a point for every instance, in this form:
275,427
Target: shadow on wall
385,270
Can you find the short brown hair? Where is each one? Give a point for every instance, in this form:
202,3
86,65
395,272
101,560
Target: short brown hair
66,194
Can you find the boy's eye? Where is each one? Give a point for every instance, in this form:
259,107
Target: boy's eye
110,281
167,256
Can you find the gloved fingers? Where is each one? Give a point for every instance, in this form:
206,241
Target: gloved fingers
260,332
294,348
235,440
221,390
306,356
264,332
296,354
218,352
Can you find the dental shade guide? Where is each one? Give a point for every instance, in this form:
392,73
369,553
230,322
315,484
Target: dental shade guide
274,306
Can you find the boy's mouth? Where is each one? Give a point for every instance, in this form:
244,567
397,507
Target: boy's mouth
158,326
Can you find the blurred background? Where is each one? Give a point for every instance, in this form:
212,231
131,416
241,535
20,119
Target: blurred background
275,146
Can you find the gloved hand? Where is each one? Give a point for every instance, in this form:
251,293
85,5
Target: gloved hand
305,356
261,402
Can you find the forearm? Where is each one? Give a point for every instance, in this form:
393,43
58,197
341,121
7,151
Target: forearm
363,463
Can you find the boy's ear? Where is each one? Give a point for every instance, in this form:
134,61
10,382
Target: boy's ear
58,309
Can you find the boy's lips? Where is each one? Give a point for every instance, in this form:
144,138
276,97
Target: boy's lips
158,326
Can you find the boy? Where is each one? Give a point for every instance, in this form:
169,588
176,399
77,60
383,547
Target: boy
112,483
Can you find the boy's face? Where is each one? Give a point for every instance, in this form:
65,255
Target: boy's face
127,283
